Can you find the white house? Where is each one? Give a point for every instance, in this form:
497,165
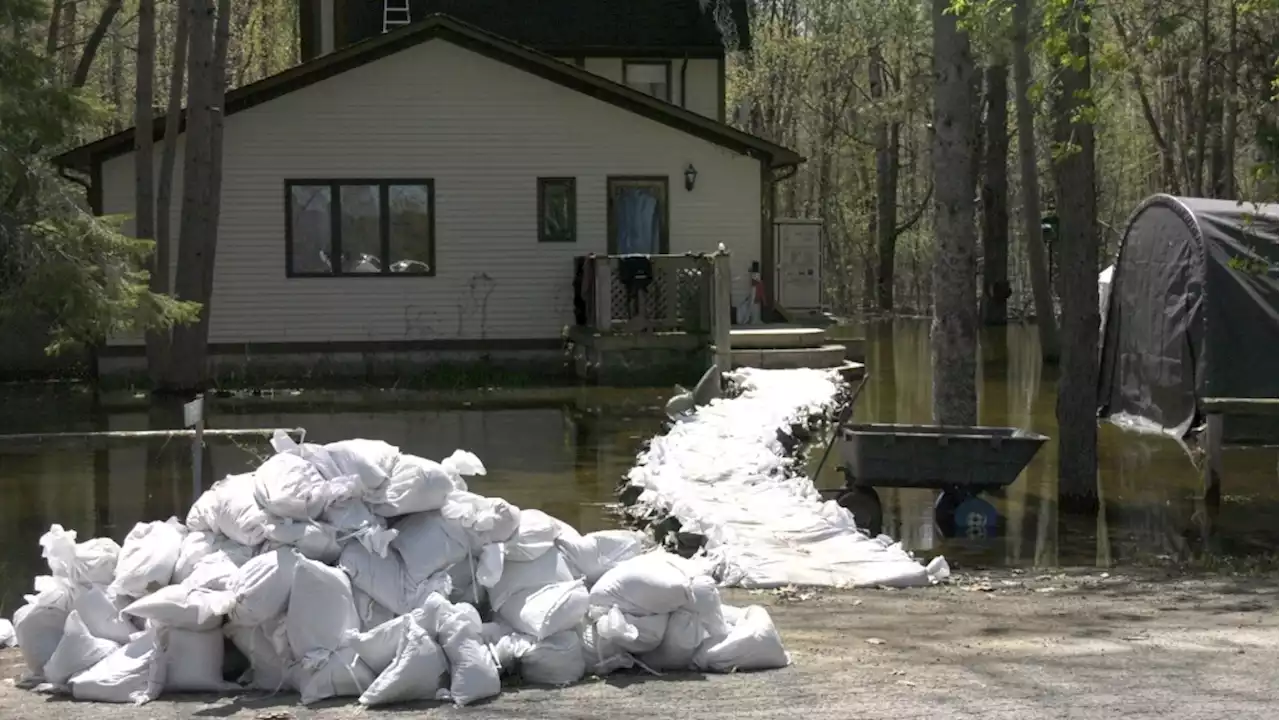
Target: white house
427,190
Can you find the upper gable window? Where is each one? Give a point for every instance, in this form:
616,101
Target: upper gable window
651,78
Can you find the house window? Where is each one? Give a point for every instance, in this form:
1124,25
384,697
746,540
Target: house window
638,217
359,227
651,78
557,210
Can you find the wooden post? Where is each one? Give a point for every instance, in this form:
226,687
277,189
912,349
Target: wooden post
193,417
1213,458
603,319
720,303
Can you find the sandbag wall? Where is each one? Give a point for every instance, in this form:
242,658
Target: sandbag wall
354,570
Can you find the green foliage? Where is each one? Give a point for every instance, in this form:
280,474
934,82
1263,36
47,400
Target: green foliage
76,274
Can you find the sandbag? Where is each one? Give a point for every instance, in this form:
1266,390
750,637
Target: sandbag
371,461
414,485
535,535
592,555
602,656
134,673
100,614
311,452
651,584
631,633
316,541
387,581
425,545
680,640
752,644
707,606
213,572
321,609
92,562
193,661
461,465
542,612
416,673
198,545
37,626
287,486
267,650
76,651
353,520
147,558
378,647
7,638
262,586
556,660
338,674
181,606
230,508
479,520
372,613
472,670
547,569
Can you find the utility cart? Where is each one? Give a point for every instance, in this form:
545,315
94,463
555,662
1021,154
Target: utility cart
961,461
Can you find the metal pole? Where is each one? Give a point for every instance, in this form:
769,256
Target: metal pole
193,417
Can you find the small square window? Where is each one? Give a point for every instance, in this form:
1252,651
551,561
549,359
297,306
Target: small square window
557,210
650,78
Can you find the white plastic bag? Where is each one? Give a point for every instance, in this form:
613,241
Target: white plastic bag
37,626
535,535
545,611
460,465
651,584
267,650
148,556
473,671
132,674
377,647
261,587
193,661
229,508
415,485
752,644
181,606
287,486
426,546
76,651
547,569
369,460
92,562
415,673
100,614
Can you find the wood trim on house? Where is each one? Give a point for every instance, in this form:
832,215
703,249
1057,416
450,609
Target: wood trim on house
720,89
476,40
614,181
543,184
335,225
357,346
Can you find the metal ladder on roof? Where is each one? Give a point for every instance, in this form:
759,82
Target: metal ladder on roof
395,13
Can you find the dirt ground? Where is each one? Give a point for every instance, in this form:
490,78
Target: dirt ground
1004,645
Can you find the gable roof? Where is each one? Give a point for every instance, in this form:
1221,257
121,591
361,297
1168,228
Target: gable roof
479,41
569,28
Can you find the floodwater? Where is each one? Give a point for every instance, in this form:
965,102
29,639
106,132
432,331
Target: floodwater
564,450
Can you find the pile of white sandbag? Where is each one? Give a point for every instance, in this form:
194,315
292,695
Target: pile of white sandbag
354,570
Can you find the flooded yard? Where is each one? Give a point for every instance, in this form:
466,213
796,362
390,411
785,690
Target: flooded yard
563,451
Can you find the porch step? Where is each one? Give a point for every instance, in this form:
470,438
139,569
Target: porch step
768,338
825,356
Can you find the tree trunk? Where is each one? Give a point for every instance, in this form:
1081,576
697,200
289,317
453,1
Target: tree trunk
143,138
886,210
188,366
55,30
158,343
1202,101
1226,180
1074,176
94,42
1046,322
955,313
995,199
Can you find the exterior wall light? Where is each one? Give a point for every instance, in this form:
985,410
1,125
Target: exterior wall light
690,177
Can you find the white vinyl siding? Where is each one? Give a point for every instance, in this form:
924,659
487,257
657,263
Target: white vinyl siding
483,132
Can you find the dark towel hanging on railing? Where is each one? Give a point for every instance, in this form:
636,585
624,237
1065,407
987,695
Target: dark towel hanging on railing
635,272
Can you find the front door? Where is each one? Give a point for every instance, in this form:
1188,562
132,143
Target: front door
799,251
638,216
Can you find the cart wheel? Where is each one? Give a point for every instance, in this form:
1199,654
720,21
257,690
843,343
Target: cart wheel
944,511
976,519
864,503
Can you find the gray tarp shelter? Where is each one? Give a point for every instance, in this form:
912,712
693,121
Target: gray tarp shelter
1192,312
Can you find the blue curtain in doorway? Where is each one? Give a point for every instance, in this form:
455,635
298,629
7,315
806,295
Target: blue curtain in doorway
636,218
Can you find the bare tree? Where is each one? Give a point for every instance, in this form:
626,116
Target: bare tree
955,313
995,198
1074,180
1046,322
109,12
143,137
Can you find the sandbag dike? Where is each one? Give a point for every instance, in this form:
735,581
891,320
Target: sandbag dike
727,483
354,570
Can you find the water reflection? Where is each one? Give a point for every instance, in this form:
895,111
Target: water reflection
563,452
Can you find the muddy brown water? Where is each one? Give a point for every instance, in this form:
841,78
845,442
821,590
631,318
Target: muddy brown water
563,450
